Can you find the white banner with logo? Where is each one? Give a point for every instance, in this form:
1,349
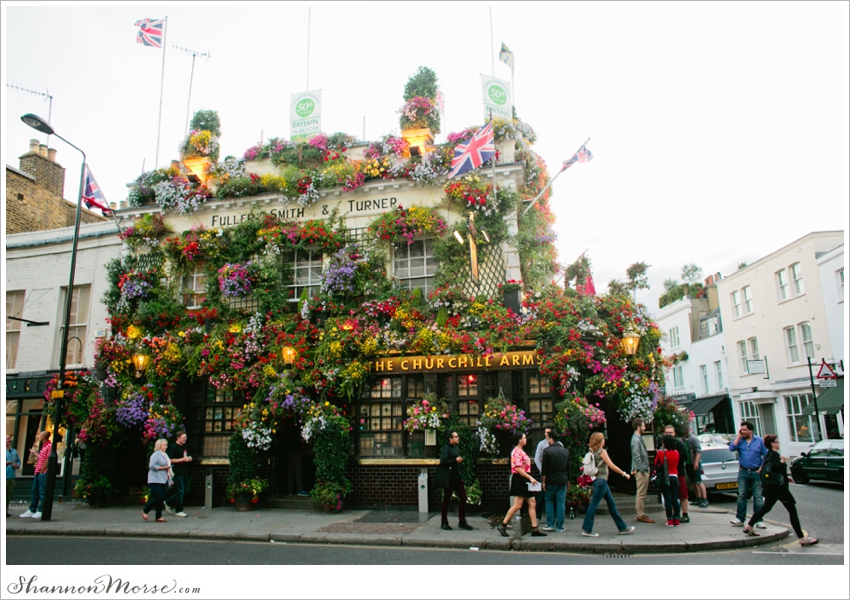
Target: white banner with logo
305,115
497,97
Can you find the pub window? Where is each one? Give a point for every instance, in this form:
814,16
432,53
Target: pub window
381,417
77,324
415,390
193,288
306,268
211,419
468,401
414,265
540,409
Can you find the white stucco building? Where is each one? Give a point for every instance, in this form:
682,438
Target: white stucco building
775,320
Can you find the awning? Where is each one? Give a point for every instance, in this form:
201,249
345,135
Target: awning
702,406
830,401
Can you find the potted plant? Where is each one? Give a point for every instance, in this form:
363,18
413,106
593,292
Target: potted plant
329,432
512,295
499,421
96,491
245,485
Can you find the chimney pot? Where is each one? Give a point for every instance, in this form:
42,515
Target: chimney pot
42,150
33,146
51,154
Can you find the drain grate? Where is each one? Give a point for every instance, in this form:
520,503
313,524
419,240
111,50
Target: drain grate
607,555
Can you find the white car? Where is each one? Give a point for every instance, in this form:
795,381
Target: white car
719,467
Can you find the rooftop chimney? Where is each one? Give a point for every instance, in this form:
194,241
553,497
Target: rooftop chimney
51,154
40,162
33,146
42,149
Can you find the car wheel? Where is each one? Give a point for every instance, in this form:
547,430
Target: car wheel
800,476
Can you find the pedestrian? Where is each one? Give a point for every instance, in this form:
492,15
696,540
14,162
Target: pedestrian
778,493
555,475
601,489
670,484
751,453
448,477
540,499
159,467
680,468
520,478
179,456
39,480
640,469
692,469
13,463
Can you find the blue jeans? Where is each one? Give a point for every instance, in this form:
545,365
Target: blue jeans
556,497
671,498
37,496
601,490
748,483
175,500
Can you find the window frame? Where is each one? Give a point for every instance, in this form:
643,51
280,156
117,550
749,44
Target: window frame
742,353
792,347
797,279
195,292
754,348
782,283
748,300
749,412
294,264
718,374
13,327
675,340
703,372
807,342
430,265
76,329
794,405
678,376
206,398
736,304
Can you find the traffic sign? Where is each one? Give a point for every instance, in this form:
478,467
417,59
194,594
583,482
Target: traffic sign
827,383
826,372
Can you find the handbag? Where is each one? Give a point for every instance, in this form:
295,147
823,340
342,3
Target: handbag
661,476
589,467
771,477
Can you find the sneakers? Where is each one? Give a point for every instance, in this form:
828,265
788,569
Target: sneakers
26,514
559,529
677,522
180,514
466,526
589,533
669,523
168,509
627,531
445,526
761,525
547,528
685,518
703,503
736,523
36,515
303,494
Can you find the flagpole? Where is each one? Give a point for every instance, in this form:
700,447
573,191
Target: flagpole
494,160
492,51
307,89
551,181
161,88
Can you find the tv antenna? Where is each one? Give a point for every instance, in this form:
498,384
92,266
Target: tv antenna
46,94
194,53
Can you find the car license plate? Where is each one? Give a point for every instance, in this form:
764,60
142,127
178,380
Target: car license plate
727,486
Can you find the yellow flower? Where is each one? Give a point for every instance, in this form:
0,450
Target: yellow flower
235,328
134,332
182,334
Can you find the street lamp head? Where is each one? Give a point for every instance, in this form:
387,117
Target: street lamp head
631,339
37,123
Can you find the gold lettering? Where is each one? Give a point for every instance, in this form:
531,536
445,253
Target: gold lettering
440,362
505,361
390,364
461,362
487,360
528,359
478,361
417,364
403,365
515,359
429,363
539,358
453,359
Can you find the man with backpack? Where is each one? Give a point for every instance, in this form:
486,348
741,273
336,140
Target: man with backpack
692,467
683,484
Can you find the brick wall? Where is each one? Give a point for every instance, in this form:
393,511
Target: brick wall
49,174
33,205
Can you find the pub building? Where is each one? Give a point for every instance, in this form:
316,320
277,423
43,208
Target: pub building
385,460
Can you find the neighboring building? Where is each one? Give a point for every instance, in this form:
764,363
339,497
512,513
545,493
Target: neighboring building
35,194
36,271
693,336
775,320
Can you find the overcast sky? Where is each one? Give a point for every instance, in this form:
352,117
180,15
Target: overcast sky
719,130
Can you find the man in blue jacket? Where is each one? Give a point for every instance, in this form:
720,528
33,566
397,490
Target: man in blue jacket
751,452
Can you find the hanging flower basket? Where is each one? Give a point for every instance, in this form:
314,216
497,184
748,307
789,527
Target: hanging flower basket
237,280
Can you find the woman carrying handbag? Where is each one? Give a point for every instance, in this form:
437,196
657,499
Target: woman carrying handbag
667,478
774,477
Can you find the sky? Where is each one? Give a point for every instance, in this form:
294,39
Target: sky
719,130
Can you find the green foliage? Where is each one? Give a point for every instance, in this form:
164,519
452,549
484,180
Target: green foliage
742,265
245,463
142,192
331,445
637,277
691,273
467,446
669,413
575,420
98,472
578,271
423,83
578,498
676,291
206,120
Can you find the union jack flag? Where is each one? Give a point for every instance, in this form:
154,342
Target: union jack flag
474,152
92,196
583,155
150,32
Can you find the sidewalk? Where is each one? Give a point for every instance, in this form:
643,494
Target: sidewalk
709,529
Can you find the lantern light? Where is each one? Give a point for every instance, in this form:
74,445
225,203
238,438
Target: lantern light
288,355
631,339
140,362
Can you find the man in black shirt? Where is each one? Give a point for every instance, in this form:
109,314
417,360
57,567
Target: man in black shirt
179,458
448,476
683,482
556,476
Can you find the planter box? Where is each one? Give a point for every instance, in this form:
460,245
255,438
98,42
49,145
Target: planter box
260,167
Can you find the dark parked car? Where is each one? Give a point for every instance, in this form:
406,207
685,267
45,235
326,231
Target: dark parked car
824,461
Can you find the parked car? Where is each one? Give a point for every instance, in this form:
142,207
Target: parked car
824,461
719,469
715,440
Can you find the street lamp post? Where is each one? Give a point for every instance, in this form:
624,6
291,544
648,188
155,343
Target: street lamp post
43,126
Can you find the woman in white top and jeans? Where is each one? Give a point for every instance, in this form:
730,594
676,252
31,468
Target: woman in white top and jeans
601,489
158,470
